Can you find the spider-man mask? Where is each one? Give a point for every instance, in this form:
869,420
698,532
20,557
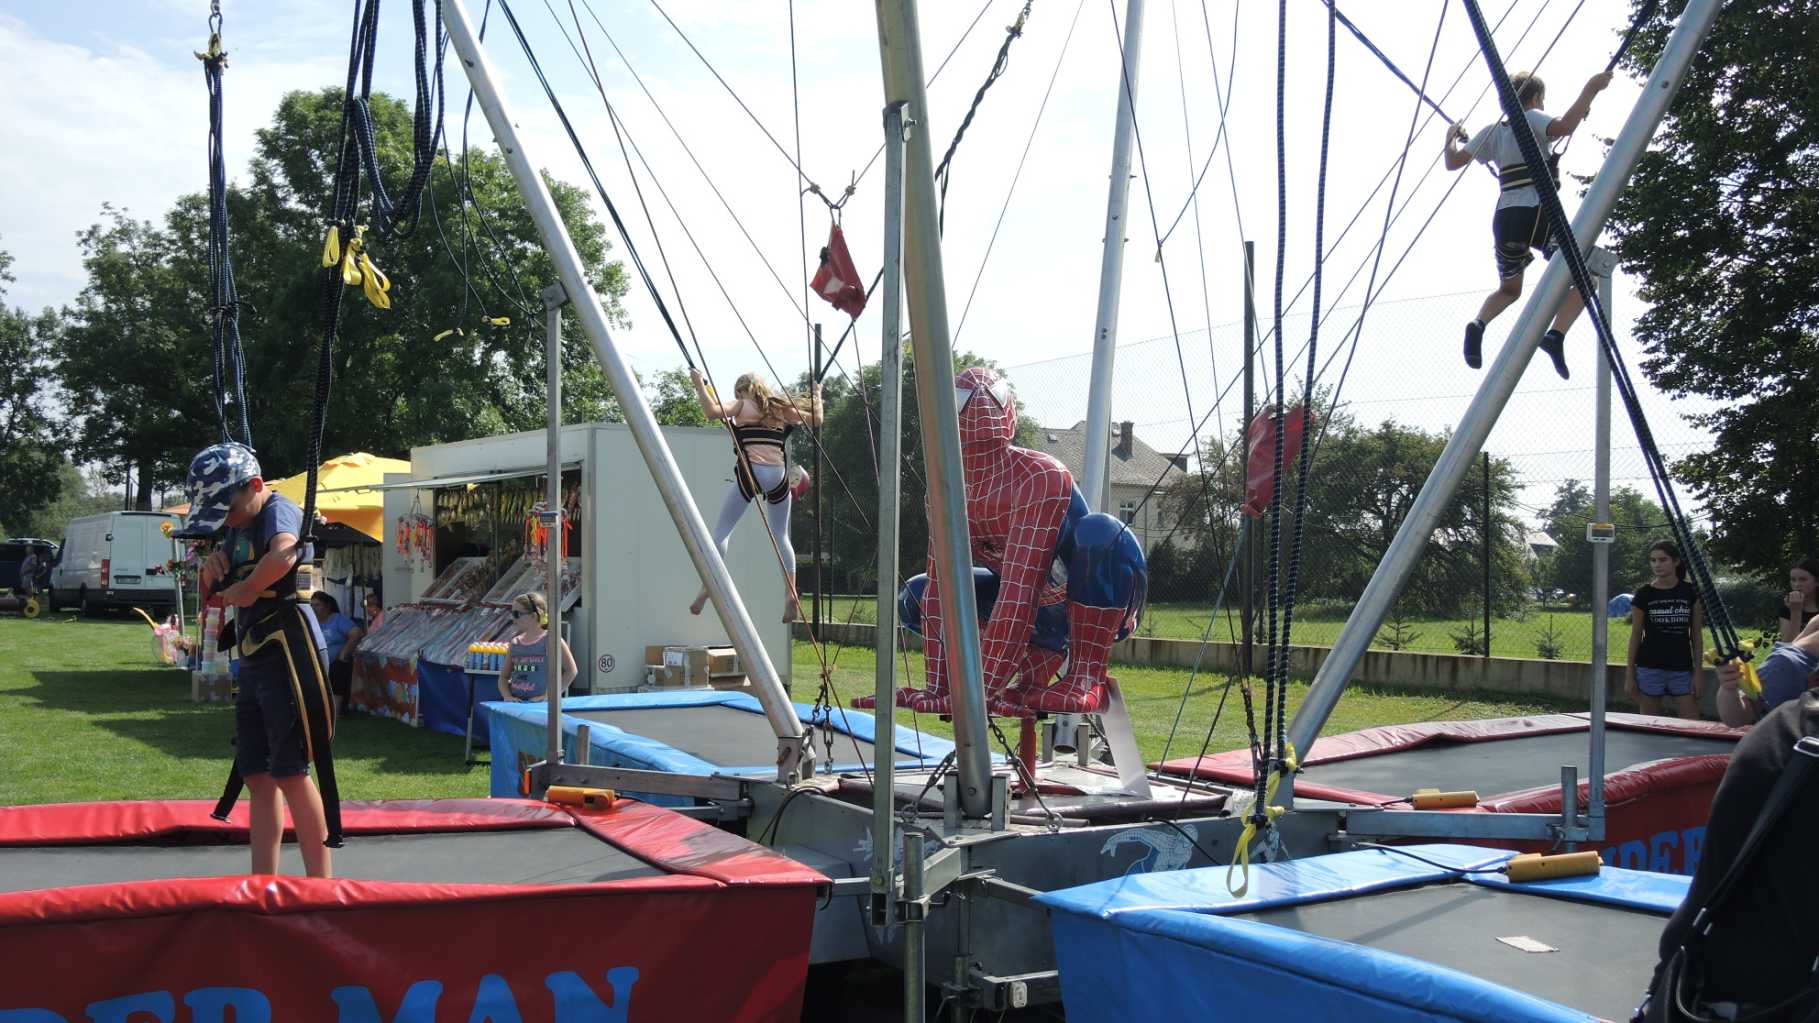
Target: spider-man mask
988,411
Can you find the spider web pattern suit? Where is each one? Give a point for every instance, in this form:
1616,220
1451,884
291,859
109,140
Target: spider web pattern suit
1017,505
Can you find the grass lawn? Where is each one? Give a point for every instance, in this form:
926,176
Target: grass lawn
85,715
1320,625
1154,697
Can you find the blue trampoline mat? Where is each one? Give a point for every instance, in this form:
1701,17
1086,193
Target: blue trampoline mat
690,732
1362,936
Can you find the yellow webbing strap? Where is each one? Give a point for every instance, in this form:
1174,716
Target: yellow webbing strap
1241,857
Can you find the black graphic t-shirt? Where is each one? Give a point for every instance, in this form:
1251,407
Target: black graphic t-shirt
1667,626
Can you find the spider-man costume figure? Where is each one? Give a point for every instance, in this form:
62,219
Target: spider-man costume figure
1035,546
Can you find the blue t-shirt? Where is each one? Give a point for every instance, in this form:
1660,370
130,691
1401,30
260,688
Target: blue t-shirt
1784,674
247,544
335,632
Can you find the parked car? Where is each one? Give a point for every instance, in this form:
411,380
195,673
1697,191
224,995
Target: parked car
12,553
116,559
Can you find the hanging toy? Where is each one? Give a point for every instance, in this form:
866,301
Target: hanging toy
837,280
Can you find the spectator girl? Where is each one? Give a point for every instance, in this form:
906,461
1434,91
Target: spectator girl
1666,641
1802,601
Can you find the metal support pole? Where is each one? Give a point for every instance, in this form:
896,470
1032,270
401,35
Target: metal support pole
1604,266
1488,530
915,905
554,298
1097,469
1249,550
900,39
795,757
890,459
1499,380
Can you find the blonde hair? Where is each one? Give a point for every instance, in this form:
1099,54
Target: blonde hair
535,603
753,387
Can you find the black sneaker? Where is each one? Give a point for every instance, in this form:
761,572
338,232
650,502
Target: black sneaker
1474,344
1554,344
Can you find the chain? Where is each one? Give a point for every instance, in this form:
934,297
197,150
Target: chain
1029,778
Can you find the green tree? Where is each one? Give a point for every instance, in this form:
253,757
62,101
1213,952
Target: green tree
1721,225
1362,482
1639,522
77,497
30,445
673,399
435,367
850,480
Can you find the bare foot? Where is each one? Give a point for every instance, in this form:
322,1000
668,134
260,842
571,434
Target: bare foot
700,602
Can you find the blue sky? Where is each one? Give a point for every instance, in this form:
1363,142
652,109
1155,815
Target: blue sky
104,102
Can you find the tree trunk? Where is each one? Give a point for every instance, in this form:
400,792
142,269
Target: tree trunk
142,497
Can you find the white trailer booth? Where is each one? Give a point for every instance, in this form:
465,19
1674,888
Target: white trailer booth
637,580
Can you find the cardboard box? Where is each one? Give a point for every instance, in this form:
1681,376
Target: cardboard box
723,662
690,662
654,655
727,682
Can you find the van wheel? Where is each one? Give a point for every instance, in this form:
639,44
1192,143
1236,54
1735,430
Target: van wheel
50,600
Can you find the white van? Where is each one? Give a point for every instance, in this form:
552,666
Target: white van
116,559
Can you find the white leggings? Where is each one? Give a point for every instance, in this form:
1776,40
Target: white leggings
733,506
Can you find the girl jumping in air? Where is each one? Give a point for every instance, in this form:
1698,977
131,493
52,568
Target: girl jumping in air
761,421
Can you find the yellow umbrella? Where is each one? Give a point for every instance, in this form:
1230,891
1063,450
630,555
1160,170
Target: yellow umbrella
359,509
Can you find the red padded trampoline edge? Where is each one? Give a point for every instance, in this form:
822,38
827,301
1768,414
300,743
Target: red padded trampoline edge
684,845
149,820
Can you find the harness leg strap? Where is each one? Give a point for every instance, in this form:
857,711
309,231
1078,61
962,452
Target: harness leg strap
295,641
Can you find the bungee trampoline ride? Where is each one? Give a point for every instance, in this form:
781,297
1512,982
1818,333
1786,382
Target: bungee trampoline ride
999,880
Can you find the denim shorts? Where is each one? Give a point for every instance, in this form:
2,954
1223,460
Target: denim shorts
1664,682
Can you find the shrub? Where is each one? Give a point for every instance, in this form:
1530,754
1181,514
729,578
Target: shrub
1548,644
1396,634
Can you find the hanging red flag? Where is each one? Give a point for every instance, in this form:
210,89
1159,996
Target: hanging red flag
1260,455
837,280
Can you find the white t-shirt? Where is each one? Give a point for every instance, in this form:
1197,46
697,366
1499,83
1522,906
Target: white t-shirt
1495,145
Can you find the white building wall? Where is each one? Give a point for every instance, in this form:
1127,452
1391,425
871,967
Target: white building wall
637,578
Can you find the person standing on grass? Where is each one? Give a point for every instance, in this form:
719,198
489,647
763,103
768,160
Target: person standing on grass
1666,642
524,675
342,637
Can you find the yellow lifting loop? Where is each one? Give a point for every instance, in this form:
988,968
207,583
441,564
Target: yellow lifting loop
376,285
452,330
214,53
499,321
331,247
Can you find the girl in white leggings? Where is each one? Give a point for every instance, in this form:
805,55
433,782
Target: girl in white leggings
761,421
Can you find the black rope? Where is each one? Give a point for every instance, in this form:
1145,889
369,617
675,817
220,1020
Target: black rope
1301,477
944,172
224,297
1333,11
1726,645
587,164
1260,755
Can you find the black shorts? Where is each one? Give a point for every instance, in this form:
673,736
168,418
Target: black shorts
1514,231
268,729
341,678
